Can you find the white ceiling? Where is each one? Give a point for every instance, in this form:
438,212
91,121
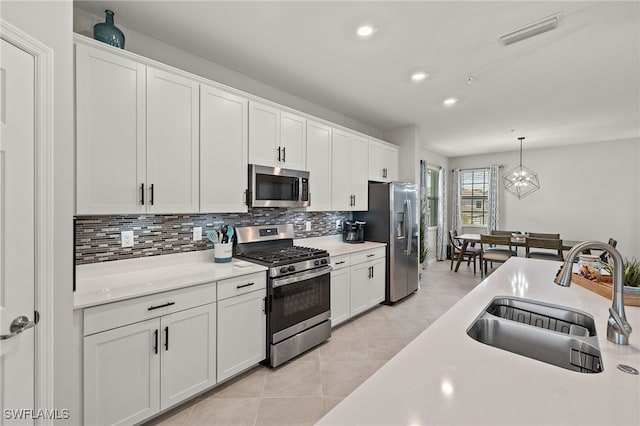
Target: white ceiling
577,83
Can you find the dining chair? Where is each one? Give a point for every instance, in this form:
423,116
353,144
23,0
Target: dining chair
544,243
514,251
488,252
541,235
471,253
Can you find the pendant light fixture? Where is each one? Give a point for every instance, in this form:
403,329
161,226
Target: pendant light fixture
521,181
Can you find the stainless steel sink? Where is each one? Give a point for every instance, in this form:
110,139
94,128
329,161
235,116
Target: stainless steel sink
549,333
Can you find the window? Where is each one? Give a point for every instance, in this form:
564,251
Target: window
474,194
433,177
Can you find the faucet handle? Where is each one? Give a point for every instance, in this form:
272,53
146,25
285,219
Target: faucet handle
621,325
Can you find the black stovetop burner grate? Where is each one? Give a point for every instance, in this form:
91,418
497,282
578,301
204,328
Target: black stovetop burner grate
284,254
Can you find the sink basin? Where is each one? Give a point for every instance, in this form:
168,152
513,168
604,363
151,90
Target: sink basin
549,333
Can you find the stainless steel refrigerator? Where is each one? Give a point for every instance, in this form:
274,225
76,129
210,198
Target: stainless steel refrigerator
393,218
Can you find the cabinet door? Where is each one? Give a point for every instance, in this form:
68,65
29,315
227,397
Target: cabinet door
377,282
319,166
376,162
122,374
242,337
293,141
172,143
341,193
360,299
223,151
264,134
340,283
188,347
110,126
392,164
383,162
359,167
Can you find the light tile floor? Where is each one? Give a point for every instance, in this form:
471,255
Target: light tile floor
301,391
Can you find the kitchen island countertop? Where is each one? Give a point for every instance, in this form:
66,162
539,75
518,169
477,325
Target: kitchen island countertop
445,377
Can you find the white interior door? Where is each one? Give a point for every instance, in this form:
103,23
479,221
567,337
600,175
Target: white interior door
17,223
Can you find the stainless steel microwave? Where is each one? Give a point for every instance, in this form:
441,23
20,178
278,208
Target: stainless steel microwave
277,187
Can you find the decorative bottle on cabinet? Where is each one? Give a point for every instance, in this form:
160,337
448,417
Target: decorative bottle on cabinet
108,33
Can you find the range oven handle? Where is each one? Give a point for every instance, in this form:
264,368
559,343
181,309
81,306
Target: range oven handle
278,282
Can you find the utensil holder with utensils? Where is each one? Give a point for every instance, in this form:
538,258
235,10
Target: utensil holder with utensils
222,252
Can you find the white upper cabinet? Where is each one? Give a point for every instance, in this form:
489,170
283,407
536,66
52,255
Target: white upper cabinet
293,141
137,137
383,161
319,165
264,134
172,143
110,119
276,138
349,162
223,151
359,166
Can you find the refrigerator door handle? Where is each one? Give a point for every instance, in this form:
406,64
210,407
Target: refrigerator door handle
408,225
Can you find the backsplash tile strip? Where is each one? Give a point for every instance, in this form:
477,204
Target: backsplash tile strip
97,238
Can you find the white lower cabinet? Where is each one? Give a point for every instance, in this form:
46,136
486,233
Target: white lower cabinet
242,327
357,283
122,374
135,371
340,289
188,354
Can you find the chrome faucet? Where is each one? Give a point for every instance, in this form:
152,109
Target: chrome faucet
618,329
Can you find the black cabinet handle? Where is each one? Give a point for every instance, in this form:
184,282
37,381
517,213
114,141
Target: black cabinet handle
142,194
166,338
155,344
284,154
279,154
372,272
371,255
151,200
341,262
151,308
245,285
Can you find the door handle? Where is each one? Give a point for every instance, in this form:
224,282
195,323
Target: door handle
408,219
166,338
284,154
142,193
279,154
18,325
151,200
155,341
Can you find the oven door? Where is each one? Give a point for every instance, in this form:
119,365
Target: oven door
298,302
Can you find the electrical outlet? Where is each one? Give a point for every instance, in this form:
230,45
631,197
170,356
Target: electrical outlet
127,238
197,233
307,225
338,224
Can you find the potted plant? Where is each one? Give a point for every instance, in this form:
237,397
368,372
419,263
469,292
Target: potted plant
631,276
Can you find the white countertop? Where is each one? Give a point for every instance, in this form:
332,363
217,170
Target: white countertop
334,245
107,282
446,377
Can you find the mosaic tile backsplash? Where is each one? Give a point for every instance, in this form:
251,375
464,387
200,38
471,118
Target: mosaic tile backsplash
97,238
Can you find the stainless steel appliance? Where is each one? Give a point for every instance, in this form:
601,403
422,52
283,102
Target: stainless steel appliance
298,289
277,187
392,218
353,231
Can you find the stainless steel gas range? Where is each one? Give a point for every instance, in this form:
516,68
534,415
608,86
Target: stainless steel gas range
298,289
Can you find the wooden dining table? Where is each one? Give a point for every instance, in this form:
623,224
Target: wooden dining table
518,242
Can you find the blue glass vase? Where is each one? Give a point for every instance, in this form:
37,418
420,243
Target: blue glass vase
108,33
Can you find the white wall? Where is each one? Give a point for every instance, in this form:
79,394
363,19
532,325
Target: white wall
51,23
162,52
587,192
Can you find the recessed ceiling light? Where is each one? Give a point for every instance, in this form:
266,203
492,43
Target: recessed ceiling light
365,31
450,101
419,76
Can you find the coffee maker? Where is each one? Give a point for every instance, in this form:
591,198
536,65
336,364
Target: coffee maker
353,231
